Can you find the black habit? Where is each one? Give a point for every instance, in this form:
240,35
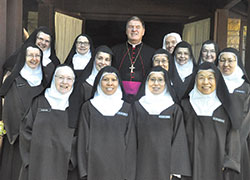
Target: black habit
162,144
106,145
18,95
241,98
82,89
47,144
161,138
214,141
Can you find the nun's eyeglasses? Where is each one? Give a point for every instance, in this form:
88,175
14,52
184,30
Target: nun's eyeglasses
33,56
154,80
67,79
82,43
223,61
41,39
208,51
163,61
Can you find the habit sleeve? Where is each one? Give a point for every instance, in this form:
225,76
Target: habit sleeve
130,147
26,133
245,127
233,151
82,142
180,160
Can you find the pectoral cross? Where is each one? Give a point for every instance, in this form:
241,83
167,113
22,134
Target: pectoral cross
132,68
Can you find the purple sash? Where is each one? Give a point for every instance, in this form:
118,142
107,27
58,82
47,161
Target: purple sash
131,87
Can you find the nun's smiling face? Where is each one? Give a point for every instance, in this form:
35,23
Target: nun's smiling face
43,41
64,81
33,57
156,83
161,60
182,55
170,43
206,82
208,53
109,84
227,63
102,60
82,45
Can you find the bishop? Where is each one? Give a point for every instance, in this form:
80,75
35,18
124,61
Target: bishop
133,58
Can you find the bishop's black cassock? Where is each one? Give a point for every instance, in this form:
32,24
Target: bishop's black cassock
132,62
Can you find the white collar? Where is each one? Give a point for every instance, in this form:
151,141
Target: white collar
134,45
107,105
80,61
46,60
32,76
204,105
155,104
184,70
57,100
91,78
234,80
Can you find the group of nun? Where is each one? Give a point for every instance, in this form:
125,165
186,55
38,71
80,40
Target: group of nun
71,121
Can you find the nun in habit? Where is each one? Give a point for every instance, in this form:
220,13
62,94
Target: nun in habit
234,74
84,84
106,132
46,140
170,40
161,137
161,57
182,67
24,83
80,54
209,51
102,57
212,133
45,40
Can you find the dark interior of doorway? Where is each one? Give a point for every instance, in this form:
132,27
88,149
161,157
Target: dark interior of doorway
113,32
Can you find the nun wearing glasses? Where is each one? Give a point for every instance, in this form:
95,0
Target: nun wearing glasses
47,143
162,143
209,52
211,126
238,84
26,81
80,54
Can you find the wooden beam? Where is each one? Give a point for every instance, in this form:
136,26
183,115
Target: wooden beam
130,7
231,4
240,12
10,30
124,17
220,27
14,25
46,15
3,32
247,57
3,29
